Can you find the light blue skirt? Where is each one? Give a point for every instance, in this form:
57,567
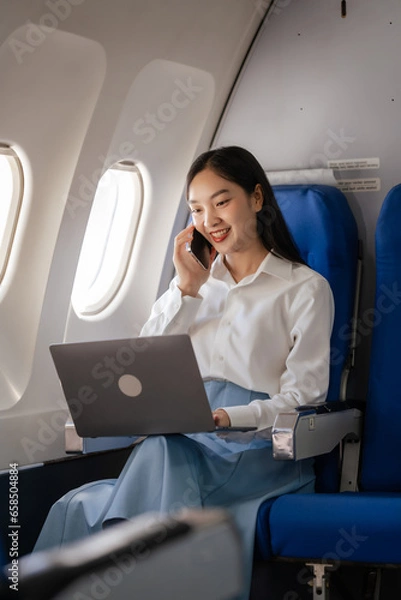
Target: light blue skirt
167,473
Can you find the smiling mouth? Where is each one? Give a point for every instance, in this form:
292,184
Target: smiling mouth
220,235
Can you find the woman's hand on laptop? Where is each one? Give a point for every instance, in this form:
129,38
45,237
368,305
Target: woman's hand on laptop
221,418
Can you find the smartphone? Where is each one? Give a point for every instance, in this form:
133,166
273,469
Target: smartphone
200,249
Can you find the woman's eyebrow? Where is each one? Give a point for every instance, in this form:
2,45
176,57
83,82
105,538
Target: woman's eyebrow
218,193
224,191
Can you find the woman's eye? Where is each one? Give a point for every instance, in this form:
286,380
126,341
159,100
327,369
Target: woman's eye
222,202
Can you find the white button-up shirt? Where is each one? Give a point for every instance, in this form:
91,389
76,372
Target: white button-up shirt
270,333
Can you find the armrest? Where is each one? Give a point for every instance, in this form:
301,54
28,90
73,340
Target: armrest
313,430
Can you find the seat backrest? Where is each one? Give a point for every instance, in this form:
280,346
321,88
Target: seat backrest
381,467
324,229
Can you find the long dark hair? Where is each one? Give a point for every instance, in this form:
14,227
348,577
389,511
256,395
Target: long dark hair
241,167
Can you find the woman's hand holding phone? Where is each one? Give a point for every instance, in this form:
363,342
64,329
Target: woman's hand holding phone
190,273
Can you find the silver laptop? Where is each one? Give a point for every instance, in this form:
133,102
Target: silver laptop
134,386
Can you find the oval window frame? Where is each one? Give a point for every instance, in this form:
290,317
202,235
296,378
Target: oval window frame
14,209
81,302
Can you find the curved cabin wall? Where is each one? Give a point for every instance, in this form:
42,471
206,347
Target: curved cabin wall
46,124
71,110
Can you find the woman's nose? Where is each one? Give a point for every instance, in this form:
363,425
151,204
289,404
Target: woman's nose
210,219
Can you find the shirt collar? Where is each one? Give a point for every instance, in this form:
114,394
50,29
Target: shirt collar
272,264
275,265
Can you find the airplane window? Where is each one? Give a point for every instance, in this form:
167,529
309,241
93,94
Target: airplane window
11,182
108,239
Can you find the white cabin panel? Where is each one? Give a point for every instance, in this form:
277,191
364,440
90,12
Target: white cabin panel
46,126
318,88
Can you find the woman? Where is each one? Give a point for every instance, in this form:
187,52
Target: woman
260,323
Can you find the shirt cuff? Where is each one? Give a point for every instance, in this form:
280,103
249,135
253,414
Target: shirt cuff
241,416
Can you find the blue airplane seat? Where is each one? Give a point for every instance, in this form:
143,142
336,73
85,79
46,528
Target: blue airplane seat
363,526
381,458
325,232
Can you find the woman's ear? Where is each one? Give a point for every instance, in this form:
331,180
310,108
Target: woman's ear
258,197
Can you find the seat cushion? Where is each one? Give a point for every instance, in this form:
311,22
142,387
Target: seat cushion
362,527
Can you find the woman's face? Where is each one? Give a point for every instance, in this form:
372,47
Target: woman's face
224,213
